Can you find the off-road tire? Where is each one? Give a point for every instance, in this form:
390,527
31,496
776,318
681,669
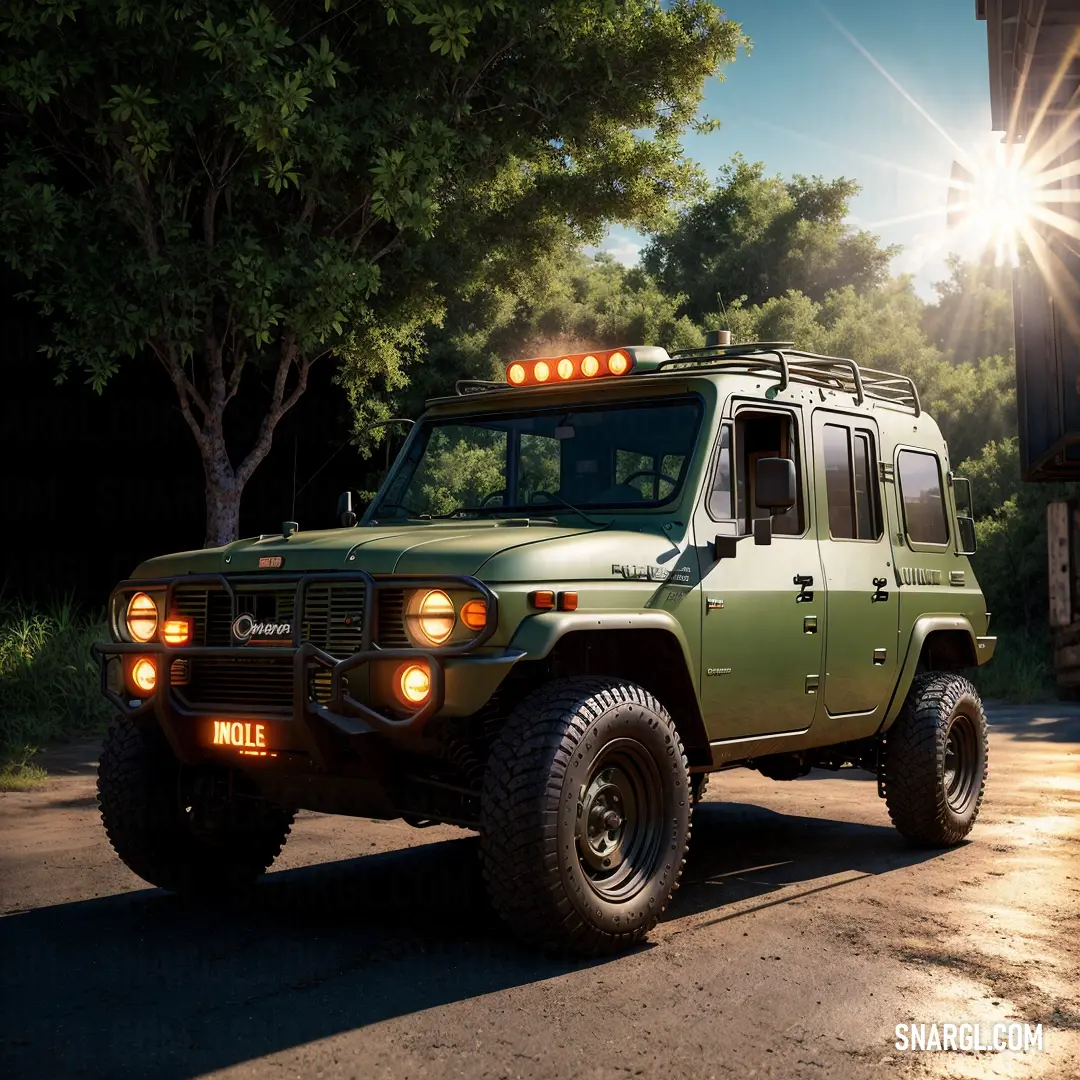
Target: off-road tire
699,784
936,761
573,749
142,796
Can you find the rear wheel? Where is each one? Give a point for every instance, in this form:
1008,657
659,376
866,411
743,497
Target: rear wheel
585,815
199,831
936,761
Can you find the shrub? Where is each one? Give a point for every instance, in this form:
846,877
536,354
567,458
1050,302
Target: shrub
49,683
1022,668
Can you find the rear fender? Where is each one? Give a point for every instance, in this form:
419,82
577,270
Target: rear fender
967,655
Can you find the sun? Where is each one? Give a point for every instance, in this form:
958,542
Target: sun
1003,203
995,202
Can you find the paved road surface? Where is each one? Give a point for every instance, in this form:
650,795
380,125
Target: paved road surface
804,933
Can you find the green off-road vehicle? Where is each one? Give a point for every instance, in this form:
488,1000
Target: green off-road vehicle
577,594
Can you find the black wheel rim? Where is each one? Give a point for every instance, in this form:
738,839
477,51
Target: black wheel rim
961,765
620,821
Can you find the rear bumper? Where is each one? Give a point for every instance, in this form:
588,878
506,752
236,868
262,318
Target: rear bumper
311,728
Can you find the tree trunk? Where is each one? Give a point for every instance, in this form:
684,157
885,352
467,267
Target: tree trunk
223,492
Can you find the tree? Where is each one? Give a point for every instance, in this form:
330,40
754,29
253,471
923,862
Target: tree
882,328
973,316
760,236
237,192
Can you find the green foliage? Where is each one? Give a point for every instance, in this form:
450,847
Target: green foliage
882,328
236,190
19,772
49,684
1010,526
563,301
1022,669
756,236
973,316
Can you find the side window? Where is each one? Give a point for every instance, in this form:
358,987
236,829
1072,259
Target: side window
849,484
867,516
837,447
921,490
721,503
764,435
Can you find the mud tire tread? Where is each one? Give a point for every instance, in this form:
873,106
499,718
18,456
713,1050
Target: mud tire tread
915,756
522,785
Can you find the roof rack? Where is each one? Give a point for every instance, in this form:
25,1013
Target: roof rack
478,386
832,372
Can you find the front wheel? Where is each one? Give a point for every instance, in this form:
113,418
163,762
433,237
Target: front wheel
198,831
936,761
585,815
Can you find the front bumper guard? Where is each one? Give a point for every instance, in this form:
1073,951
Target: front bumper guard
313,720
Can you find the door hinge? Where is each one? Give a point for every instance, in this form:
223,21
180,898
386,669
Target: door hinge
885,470
812,683
809,624
880,655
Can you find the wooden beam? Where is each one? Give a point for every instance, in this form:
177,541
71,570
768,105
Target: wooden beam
1060,572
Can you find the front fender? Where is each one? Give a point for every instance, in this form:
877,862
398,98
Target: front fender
923,628
538,634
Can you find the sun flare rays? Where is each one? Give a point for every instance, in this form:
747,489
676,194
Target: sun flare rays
1017,198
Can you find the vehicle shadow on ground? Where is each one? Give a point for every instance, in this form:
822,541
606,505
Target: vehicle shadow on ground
140,984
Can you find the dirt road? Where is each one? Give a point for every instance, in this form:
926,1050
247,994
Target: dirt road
805,931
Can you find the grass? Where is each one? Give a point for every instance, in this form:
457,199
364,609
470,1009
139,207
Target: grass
49,684
19,773
1022,669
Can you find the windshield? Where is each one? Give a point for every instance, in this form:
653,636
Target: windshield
596,457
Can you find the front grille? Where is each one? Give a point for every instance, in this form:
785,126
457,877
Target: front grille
390,624
238,682
332,619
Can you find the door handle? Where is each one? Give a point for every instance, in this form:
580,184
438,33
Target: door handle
880,592
804,581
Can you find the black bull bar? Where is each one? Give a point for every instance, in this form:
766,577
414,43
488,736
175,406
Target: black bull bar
313,720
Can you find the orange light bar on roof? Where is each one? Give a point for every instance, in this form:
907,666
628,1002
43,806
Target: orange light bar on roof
569,368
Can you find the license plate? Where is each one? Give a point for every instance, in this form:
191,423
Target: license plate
248,737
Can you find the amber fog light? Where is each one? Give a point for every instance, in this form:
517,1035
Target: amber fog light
414,684
474,614
432,616
142,617
176,631
144,674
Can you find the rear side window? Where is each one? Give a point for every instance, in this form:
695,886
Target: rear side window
924,502
849,484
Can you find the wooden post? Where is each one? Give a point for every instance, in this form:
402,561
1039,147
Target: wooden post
1060,570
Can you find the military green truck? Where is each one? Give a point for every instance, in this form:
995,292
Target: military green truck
577,593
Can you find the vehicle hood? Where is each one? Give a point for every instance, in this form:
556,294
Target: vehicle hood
492,551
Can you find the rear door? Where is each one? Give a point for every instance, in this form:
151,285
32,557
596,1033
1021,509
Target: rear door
862,605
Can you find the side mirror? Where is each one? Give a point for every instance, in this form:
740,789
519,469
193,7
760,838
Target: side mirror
345,511
966,535
774,484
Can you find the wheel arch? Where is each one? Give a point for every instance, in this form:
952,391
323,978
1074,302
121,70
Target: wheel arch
649,649
937,643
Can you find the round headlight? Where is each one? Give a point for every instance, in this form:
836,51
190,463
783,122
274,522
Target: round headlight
414,683
433,616
142,617
144,674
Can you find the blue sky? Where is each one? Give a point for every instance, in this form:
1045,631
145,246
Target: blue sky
806,100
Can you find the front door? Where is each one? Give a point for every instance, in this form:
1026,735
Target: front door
760,610
862,616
